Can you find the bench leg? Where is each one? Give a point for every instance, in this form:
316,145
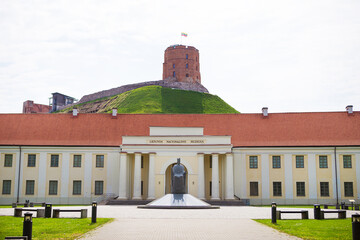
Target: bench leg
17,213
40,213
56,214
342,215
83,213
321,215
305,215
14,205
325,207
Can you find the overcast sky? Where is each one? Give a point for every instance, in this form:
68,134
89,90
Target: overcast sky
291,56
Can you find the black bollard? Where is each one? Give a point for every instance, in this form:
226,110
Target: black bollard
27,227
26,204
273,212
355,219
93,212
317,211
48,208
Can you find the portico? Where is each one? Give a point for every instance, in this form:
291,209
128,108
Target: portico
145,160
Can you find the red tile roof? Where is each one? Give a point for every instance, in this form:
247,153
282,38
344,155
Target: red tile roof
278,129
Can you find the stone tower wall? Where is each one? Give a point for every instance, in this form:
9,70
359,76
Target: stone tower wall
175,60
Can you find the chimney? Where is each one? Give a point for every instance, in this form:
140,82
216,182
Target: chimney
75,112
114,113
265,111
349,109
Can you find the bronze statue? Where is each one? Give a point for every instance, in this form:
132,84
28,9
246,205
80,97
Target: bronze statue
178,178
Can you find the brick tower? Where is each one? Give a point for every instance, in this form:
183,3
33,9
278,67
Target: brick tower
182,62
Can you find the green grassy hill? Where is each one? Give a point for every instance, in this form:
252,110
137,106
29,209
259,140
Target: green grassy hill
157,99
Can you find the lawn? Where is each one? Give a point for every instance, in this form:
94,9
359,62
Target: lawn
50,228
313,229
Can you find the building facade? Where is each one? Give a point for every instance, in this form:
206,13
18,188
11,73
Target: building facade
290,158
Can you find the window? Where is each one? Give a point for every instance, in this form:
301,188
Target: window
53,187
210,188
76,187
277,189
8,160
324,189
196,58
254,190
99,187
323,162
174,65
187,65
77,161
187,56
348,186
30,187
174,75
253,161
54,161
210,161
300,189
99,161
142,161
31,160
347,161
6,187
276,162
299,161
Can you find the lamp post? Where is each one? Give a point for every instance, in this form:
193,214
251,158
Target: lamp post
355,219
352,203
93,212
273,212
27,227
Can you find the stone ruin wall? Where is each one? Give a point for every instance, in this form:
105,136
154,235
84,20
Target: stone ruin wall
169,82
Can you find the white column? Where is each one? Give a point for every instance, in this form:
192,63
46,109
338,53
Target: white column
288,177
312,176
151,187
201,177
137,177
42,176
122,177
229,194
215,177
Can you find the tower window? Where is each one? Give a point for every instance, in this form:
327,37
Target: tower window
196,68
187,65
187,56
196,58
174,65
174,74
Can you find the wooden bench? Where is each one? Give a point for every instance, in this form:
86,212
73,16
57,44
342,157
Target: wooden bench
326,206
304,213
39,211
26,204
341,213
20,237
37,203
56,212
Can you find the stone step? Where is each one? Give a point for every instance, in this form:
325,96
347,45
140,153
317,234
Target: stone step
242,202
127,202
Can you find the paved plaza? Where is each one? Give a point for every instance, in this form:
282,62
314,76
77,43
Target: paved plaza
224,223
